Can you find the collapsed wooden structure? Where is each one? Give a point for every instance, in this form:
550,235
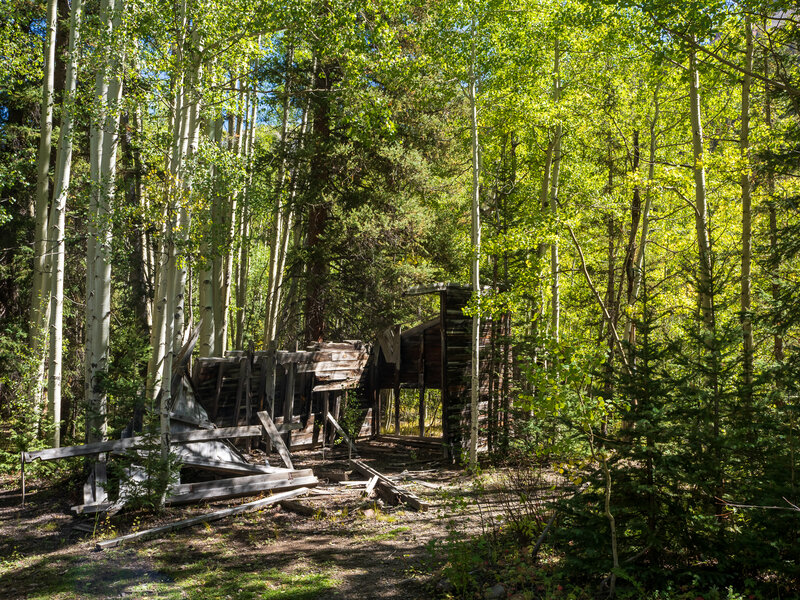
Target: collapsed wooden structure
299,388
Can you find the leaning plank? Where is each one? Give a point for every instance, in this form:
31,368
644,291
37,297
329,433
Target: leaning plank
214,516
238,489
371,485
343,434
390,489
276,438
202,435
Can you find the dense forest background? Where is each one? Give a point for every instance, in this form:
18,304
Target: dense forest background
621,179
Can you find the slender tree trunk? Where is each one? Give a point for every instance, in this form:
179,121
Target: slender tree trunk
555,291
105,138
40,298
701,205
57,223
744,142
475,379
638,269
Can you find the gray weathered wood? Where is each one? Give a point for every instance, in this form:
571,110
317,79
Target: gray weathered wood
202,435
214,516
276,438
282,475
241,489
390,489
343,434
371,485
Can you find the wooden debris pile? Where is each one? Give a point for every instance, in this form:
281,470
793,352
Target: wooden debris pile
196,443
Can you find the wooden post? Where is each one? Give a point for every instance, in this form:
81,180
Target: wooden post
421,381
218,391
288,399
271,366
379,411
397,402
397,351
248,403
22,468
422,411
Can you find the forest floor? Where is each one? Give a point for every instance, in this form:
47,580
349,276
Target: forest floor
353,548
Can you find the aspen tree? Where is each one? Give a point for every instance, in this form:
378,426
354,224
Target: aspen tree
555,291
104,139
476,255
57,222
40,298
744,179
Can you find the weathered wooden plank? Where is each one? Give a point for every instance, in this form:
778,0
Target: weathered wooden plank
224,466
329,366
201,435
214,516
200,486
89,509
391,489
242,489
276,438
342,433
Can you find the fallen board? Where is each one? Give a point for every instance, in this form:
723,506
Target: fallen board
214,516
276,438
282,475
391,490
238,487
203,435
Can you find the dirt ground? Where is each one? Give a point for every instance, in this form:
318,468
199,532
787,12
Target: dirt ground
354,547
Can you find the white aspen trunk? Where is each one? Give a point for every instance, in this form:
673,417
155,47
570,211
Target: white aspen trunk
745,304
278,225
476,259
95,158
220,216
105,144
555,291
701,206
288,224
40,299
244,230
170,277
57,223
206,276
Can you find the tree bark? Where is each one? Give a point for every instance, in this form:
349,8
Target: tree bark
57,223
744,144
40,292
476,259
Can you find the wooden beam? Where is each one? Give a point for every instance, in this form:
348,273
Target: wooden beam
201,435
275,436
214,516
391,491
342,433
242,489
217,484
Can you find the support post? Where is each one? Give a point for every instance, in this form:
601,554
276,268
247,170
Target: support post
422,411
22,468
288,399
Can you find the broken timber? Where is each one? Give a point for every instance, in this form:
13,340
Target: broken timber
214,516
240,486
391,492
343,434
202,435
276,438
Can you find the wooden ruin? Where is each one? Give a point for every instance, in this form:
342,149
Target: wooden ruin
305,391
